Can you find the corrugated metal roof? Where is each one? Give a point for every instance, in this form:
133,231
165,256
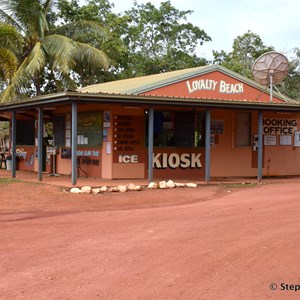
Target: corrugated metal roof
137,84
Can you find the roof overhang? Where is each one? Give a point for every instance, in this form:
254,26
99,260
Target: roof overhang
68,97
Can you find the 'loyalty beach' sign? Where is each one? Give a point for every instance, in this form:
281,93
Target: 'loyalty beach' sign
213,85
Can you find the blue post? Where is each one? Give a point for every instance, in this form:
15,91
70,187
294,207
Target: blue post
150,143
74,143
207,146
260,146
13,143
40,144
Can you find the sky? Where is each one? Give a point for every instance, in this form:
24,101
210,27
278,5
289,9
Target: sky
275,21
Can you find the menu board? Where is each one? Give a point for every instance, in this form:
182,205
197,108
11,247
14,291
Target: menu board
128,134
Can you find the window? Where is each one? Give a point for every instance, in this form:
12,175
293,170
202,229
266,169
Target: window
89,128
178,129
243,129
59,130
25,132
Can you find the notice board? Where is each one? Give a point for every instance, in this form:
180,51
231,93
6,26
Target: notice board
89,129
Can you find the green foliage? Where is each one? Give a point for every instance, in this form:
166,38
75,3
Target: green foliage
144,40
161,39
245,50
47,47
10,42
291,85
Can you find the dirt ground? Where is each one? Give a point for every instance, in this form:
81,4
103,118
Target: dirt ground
212,242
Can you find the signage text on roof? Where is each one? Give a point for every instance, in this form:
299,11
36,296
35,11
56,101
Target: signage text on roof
213,85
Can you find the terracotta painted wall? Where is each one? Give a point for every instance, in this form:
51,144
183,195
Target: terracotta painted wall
26,163
213,89
128,150
279,159
229,160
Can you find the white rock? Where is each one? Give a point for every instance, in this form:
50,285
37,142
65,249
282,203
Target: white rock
75,190
179,184
122,188
114,189
162,185
103,189
170,184
138,188
96,191
86,189
152,185
191,185
131,187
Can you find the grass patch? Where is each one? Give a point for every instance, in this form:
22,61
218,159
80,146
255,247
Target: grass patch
4,181
240,185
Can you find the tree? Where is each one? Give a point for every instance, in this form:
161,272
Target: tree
98,11
143,40
10,41
245,50
290,86
47,48
161,40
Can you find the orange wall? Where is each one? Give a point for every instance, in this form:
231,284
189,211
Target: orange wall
182,89
26,163
229,160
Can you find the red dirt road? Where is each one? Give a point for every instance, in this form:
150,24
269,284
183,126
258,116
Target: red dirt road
212,242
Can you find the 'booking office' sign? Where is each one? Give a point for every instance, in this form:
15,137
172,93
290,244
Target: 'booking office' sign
279,126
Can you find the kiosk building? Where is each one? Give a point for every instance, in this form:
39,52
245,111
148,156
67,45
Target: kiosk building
195,123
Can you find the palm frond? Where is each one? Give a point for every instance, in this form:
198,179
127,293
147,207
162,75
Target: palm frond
6,18
42,24
47,5
82,26
61,51
91,56
17,83
37,60
9,37
8,63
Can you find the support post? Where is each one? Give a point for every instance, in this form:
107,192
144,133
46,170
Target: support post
260,146
207,146
74,143
150,143
40,144
13,143
271,74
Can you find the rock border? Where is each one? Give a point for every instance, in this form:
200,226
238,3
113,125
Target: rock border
131,187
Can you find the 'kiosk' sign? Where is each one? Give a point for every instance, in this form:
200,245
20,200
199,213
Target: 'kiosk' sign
166,160
174,160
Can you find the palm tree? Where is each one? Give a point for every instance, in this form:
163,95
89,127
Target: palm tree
10,40
45,48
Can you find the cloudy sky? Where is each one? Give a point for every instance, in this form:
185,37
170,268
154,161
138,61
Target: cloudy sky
275,21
